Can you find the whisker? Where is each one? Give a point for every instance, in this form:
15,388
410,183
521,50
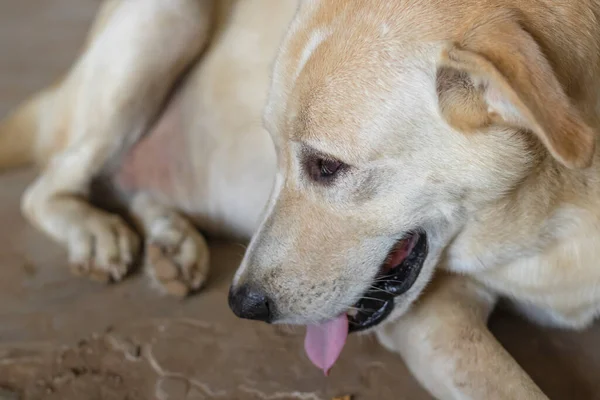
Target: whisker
373,298
242,246
374,288
383,279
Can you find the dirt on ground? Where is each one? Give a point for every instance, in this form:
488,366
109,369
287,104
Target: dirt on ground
65,338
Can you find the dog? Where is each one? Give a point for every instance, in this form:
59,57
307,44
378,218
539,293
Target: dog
400,166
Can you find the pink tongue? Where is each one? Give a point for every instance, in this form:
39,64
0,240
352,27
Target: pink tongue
324,342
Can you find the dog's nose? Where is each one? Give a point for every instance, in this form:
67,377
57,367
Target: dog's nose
250,303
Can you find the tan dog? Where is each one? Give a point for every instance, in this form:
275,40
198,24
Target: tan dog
410,137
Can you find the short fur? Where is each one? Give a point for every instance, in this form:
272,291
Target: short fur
473,120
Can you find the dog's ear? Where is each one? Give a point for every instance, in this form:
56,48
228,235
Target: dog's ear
499,75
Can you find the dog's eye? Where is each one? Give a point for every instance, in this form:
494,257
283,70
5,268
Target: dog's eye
323,169
329,167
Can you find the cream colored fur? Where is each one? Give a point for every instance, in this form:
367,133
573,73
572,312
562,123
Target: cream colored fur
475,121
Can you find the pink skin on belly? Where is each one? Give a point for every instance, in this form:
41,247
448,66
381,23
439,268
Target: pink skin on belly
160,159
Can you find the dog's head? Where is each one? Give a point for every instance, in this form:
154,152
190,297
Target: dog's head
393,123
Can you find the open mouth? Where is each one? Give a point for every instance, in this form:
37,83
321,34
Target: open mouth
324,342
397,275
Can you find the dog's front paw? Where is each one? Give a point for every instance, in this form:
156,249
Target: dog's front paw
102,247
177,256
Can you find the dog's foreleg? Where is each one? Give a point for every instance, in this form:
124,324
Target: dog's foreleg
176,256
445,342
113,93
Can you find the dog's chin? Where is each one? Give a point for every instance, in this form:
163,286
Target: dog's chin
396,276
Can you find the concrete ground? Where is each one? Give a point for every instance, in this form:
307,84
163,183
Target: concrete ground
70,339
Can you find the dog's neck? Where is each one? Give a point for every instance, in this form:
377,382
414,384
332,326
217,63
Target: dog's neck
552,203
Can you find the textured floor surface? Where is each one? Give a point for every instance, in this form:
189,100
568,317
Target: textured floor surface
69,339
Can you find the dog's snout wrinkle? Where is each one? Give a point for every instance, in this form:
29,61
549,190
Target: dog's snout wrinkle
248,302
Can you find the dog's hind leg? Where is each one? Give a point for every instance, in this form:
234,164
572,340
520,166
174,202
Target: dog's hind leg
445,342
113,93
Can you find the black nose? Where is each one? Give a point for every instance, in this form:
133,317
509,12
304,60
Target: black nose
250,303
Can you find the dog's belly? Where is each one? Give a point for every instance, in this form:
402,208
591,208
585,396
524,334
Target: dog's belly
208,155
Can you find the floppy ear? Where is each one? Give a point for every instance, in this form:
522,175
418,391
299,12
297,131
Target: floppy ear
499,75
